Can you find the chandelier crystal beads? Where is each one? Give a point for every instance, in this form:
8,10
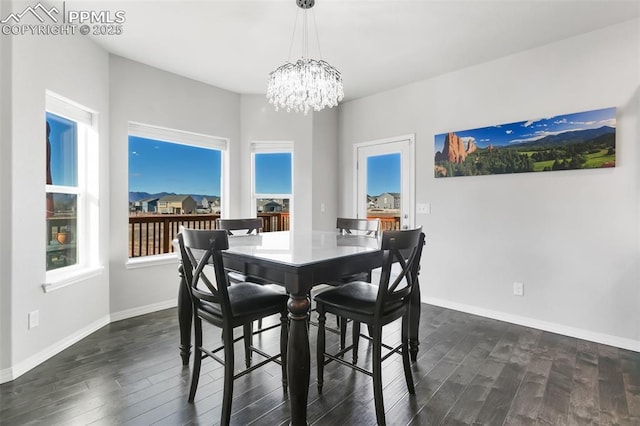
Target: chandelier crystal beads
309,84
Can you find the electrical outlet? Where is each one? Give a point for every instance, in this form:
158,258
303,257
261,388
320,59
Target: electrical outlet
34,319
518,289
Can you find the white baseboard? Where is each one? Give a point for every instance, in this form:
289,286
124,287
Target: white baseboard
6,375
142,310
579,333
19,369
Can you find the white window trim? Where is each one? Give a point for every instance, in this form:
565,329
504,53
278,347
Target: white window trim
153,260
87,191
73,276
271,147
181,137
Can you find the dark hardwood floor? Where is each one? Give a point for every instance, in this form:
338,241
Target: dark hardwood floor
470,370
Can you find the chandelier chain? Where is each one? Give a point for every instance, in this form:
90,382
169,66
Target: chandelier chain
315,26
293,36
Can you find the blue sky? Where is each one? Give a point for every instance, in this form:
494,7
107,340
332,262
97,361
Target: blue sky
524,131
157,166
273,173
383,174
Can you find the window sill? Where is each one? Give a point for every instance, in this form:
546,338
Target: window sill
148,261
69,278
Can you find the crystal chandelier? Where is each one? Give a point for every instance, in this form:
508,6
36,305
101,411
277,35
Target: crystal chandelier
307,84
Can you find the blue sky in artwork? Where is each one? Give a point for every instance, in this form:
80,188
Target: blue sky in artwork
525,131
157,166
383,174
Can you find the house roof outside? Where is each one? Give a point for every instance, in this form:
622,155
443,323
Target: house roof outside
148,200
174,198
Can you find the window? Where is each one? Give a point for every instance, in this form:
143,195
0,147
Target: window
175,178
71,189
272,183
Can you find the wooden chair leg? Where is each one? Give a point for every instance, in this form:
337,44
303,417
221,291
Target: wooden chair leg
342,325
227,393
406,361
355,328
320,347
247,330
377,376
284,339
197,359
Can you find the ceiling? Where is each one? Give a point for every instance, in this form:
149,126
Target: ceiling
377,45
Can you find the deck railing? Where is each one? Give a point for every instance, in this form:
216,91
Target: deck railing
153,234
387,223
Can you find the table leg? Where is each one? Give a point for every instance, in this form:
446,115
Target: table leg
298,359
185,317
414,322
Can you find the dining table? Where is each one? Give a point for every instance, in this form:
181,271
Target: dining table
297,260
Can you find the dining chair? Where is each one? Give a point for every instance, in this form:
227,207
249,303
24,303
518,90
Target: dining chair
227,307
375,306
363,226
251,225
351,226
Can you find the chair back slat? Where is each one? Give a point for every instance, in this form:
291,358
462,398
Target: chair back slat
208,244
251,225
405,249
366,226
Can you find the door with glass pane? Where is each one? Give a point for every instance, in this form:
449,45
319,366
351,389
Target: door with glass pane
385,181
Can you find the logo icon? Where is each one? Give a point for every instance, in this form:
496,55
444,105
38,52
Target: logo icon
38,10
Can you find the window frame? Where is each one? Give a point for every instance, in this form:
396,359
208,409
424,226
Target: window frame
87,193
271,147
180,137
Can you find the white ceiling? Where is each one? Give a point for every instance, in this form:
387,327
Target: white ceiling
377,45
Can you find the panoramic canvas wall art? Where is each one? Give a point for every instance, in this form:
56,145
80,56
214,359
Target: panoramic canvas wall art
582,140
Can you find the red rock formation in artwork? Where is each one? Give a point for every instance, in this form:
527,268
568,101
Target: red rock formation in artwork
453,150
471,146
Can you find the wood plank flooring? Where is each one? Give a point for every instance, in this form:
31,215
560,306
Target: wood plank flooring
470,370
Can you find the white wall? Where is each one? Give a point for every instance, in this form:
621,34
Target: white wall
324,191
144,94
77,69
5,197
572,237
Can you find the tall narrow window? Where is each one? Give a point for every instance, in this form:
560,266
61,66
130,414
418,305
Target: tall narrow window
175,178
71,188
273,184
